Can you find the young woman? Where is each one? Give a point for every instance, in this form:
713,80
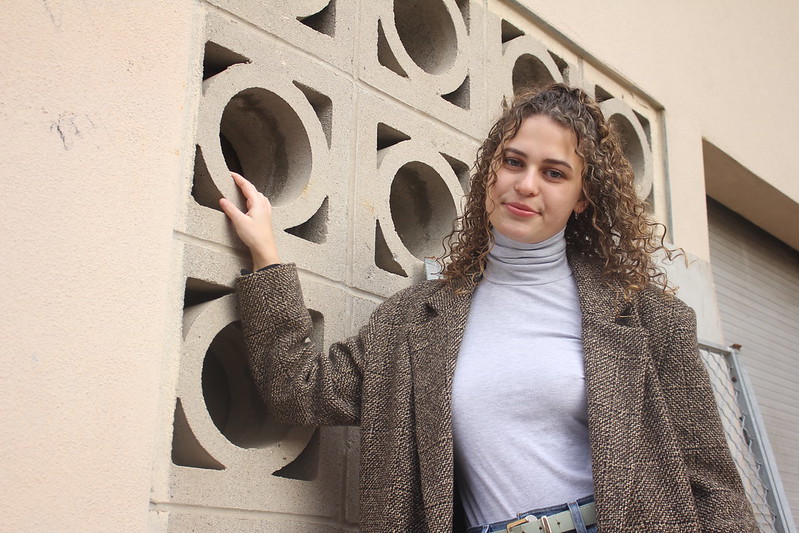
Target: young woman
548,383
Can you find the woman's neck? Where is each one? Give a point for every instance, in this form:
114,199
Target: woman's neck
517,263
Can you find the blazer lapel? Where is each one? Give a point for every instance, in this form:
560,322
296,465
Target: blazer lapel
433,348
615,349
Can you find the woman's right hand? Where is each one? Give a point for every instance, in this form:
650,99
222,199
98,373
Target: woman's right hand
254,227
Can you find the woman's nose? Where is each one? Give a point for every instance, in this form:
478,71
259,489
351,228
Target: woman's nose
527,184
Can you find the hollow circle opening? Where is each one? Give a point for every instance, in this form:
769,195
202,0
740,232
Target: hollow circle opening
632,144
529,73
422,208
230,395
427,32
264,139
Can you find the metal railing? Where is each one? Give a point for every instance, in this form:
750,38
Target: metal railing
747,438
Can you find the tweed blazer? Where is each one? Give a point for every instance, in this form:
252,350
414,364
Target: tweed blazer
660,459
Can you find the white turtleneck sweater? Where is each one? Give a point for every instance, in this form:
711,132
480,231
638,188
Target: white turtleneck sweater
519,411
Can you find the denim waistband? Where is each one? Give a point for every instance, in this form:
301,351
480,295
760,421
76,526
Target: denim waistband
544,511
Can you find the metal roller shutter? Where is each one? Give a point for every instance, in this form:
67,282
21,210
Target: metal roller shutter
757,285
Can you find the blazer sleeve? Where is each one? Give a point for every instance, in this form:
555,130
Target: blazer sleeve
721,503
300,383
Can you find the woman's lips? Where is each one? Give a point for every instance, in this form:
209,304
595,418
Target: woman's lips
520,210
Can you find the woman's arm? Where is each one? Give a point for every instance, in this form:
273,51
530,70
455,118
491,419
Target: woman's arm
300,383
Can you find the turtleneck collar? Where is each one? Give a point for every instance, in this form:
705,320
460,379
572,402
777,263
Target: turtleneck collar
517,263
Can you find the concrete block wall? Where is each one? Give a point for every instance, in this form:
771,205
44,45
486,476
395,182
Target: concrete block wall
360,120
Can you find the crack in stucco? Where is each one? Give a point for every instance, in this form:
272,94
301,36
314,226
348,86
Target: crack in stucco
68,127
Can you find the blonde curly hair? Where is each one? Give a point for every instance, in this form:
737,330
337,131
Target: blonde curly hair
614,229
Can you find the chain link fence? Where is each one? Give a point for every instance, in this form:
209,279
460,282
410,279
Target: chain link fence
746,437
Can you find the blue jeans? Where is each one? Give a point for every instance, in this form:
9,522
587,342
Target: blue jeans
546,511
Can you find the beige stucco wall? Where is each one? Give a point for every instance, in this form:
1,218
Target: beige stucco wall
93,109
96,138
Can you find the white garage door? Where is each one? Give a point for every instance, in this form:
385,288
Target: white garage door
757,284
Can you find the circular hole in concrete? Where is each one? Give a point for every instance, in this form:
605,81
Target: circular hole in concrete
427,33
632,145
529,73
263,138
231,398
422,209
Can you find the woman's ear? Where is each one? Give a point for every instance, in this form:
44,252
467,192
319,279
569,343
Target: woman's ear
581,206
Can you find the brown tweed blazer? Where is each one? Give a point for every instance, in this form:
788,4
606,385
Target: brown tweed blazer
660,460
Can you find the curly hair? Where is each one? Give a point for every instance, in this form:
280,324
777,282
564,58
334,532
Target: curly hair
614,229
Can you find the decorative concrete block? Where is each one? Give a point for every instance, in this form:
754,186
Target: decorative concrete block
635,143
360,311
639,122
411,177
518,62
313,490
284,123
426,53
227,451
209,271
324,28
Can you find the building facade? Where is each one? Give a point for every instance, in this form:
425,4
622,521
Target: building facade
126,385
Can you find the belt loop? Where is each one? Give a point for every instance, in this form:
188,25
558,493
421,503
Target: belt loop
577,517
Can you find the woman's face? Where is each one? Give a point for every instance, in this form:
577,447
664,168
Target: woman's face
539,184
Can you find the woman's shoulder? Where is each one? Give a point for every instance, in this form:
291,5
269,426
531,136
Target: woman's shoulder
651,300
421,289
411,307
658,305
419,294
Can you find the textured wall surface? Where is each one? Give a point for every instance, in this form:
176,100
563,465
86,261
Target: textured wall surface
92,114
126,405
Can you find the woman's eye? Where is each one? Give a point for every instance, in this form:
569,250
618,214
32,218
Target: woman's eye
512,162
552,173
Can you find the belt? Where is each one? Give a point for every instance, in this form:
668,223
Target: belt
556,523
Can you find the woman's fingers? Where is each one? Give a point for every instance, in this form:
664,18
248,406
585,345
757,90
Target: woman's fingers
232,212
246,187
254,227
243,184
252,196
